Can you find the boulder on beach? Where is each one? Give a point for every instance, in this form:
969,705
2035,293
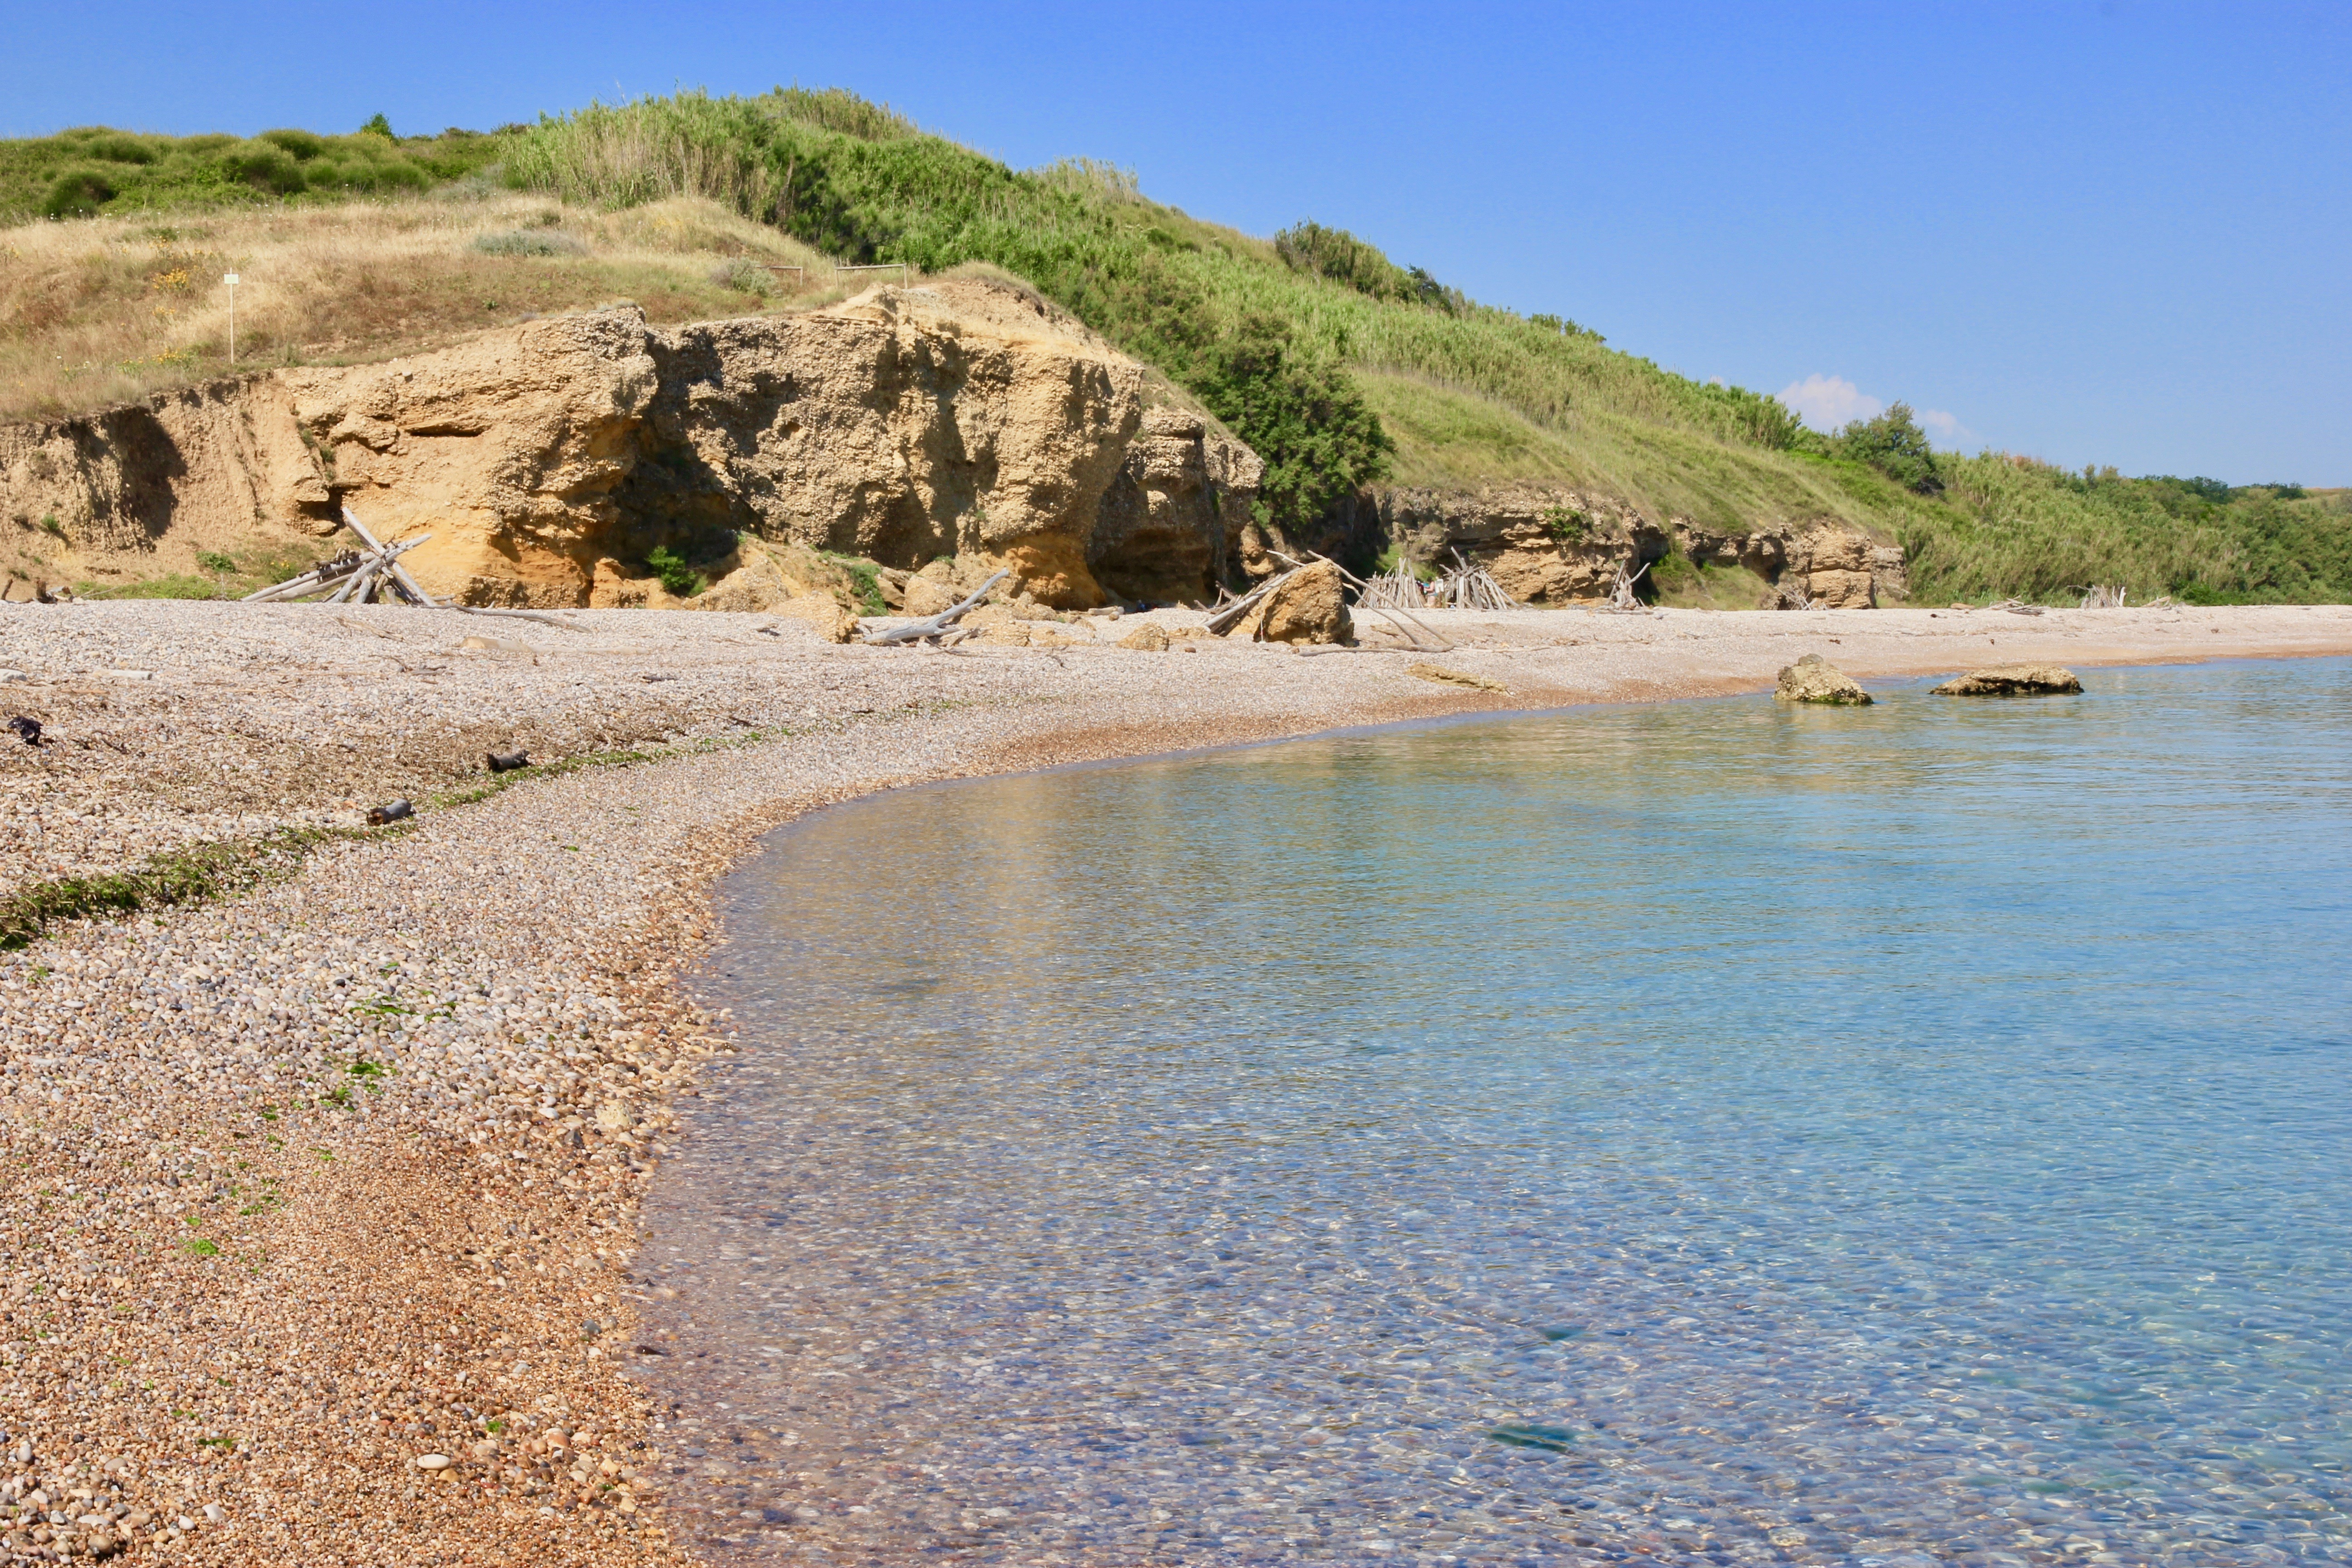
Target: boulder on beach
822,614
2013,680
1813,679
927,596
1309,606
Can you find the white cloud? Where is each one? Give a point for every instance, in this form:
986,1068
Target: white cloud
1828,402
1945,428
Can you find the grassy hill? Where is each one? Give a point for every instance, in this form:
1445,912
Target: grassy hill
1339,366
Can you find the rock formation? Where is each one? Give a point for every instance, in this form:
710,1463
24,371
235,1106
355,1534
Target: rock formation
967,419
1551,545
1545,546
550,460
1309,606
1170,518
1813,679
2013,680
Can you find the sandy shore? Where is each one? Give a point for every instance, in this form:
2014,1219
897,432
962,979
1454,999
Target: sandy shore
302,1186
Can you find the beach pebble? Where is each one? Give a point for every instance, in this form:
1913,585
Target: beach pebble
434,1461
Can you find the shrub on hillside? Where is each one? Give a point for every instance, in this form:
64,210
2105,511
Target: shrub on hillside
1896,445
1336,254
94,168
78,193
1303,417
741,272
676,575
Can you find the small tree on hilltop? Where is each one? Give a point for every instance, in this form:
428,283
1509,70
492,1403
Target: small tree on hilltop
1896,445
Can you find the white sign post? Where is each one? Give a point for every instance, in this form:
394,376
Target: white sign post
230,279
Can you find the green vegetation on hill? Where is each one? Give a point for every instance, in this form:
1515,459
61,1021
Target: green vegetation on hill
1339,366
79,173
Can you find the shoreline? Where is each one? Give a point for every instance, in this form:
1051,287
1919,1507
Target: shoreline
294,1174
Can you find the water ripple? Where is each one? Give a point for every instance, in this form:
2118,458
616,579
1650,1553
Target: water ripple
1704,1133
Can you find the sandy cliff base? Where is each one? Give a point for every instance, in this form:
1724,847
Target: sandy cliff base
299,1186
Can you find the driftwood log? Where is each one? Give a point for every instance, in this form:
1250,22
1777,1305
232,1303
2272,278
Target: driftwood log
544,617
915,631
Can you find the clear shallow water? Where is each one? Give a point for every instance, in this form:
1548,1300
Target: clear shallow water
1711,1132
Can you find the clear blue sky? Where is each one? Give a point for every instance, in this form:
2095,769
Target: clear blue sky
2111,232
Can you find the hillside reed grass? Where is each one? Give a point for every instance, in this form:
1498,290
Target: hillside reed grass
106,310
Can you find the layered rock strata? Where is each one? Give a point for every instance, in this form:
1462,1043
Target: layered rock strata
1552,545
550,460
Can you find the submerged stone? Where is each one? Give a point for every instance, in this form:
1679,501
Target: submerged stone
2013,680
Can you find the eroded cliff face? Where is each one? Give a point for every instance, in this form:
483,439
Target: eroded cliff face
1170,521
1551,545
547,460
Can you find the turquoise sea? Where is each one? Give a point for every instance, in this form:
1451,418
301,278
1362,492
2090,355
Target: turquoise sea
1700,1132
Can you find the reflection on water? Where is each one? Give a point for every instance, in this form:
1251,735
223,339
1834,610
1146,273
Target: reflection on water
1710,1132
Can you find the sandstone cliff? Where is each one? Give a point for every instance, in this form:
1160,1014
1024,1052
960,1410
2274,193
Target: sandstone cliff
968,419
549,460
1553,545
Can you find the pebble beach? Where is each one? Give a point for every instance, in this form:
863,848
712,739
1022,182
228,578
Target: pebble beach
319,1192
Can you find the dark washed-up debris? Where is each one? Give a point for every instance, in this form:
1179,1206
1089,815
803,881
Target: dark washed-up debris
391,812
29,729
508,761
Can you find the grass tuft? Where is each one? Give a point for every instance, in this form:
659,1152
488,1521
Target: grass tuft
190,875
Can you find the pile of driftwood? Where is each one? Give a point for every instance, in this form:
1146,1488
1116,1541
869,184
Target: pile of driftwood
1622,600
355,576
1465,586
374,573
1469,586
2096,597
1397,588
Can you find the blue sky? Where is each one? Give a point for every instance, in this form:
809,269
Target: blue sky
2091,230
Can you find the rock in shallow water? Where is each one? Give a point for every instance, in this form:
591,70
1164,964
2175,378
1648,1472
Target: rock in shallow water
1813,679
2013,680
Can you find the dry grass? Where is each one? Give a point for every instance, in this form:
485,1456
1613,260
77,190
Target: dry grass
105,311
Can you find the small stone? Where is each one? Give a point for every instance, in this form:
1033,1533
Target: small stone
433,1461
213,1514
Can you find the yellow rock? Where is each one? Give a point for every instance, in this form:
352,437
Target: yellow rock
1148,638
823,614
